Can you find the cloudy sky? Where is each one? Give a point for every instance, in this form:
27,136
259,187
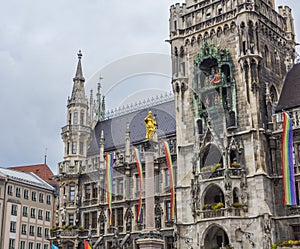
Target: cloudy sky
38,46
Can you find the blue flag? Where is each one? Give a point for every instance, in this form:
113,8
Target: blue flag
54,246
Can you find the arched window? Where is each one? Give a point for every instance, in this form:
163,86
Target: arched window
235,195
212,156
267,57
213,195
274,98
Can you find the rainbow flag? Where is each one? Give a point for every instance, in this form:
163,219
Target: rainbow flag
139,216
109,181
171,171
287,162
87,245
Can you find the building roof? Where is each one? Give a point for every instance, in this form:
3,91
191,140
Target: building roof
24,177
114,129
41,170
289,97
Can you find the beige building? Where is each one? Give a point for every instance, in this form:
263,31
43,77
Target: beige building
27,204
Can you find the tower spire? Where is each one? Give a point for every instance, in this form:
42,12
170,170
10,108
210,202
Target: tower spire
99,100
78,92
79,74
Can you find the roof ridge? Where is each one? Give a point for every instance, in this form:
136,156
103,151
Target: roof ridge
140,105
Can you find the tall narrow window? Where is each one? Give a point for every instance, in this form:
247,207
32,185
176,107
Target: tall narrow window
82,117
22,245
33,196
75,118
11,244
72,193
48,200
74,148
25,193
95,190
267,57
14,210
25,211
13,225
71,219
18,192
120,217
47,216
40,214
31,230
9,190
70,118
87,191
81,148
24,229
39,231
46,232
41,197
32,212
168,210
94,219
86,220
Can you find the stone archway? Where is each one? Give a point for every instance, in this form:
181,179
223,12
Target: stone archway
215,238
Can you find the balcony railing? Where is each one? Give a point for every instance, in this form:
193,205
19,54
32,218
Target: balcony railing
69,233
223,212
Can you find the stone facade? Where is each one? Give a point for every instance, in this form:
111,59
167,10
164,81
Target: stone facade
229,59
82,208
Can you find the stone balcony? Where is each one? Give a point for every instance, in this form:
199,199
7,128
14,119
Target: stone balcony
209,174
68,233
222,212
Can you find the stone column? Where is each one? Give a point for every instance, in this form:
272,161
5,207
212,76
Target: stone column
149,190
150,238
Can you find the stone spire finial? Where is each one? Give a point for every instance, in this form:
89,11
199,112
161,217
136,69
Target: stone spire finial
79,74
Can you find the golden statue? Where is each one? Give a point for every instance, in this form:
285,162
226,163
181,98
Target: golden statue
150,123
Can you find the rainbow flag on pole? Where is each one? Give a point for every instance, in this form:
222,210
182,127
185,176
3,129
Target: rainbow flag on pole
171,171
109,180
287,162
87,245
139,216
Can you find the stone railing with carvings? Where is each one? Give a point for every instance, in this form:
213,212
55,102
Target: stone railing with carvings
222,212
278,120
163,98
293,210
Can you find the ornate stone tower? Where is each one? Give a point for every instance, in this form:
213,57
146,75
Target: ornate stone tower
75,135
229,59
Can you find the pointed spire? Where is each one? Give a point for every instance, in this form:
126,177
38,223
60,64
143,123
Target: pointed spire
79,74
103,107
78,92
100,117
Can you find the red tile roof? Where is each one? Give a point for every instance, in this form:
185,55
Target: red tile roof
41,170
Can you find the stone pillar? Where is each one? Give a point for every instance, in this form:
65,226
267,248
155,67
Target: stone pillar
149,191
150,238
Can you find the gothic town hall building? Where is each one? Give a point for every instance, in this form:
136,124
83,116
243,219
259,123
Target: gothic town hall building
231,60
